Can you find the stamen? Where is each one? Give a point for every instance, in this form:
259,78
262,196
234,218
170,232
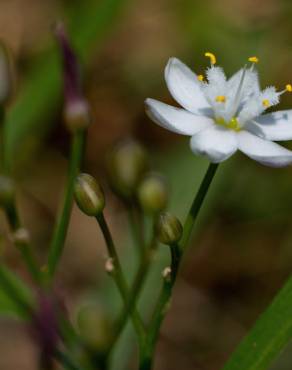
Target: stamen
220,99
211,56
288,88
253,59
266,103
200,77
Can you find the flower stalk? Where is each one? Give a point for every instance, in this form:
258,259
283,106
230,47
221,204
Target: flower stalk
60,231
120,279
176,252
197,204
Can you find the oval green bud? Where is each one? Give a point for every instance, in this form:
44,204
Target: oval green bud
7,191
89,195
153,193
169,229
127,163
95,326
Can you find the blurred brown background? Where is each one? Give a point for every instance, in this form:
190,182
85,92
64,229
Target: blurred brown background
242,250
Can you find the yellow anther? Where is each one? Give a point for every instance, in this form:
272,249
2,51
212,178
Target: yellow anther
266,103
288,87
220,99
253,59
200,77
211,56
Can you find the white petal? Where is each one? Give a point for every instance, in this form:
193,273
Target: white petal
216,143
277,125
176,119
185,87
264,151
251,83
254,128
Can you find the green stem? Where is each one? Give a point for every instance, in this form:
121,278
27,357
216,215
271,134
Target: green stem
119,278
12,292
197,203
161,308
135,291
136,226
66,361
23,246
164,298
61,227
29,258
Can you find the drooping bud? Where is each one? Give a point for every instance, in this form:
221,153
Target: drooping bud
6,75
153,193
89,195
76,109
95,326
7,191
127,163
169,229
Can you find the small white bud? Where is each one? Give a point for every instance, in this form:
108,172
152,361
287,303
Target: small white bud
109,265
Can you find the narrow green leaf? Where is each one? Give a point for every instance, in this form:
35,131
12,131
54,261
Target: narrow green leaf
270,334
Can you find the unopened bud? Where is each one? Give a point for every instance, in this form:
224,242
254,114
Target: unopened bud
153,193
76,111
95,326
89,195
77,115
7,191
169,229
6,75
127,163
21,236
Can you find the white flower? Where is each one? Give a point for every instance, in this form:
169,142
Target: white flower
223,116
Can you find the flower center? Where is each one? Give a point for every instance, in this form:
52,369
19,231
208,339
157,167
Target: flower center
233,124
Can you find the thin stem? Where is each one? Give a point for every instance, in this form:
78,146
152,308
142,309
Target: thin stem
163,301
12,292
119,277
66,361
23,246
61,227
29,258
197,203
138,283
136,226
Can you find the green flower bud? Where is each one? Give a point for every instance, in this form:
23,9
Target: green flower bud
95,327
169,229
153,193
127,163
77,115
89,195
7,191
